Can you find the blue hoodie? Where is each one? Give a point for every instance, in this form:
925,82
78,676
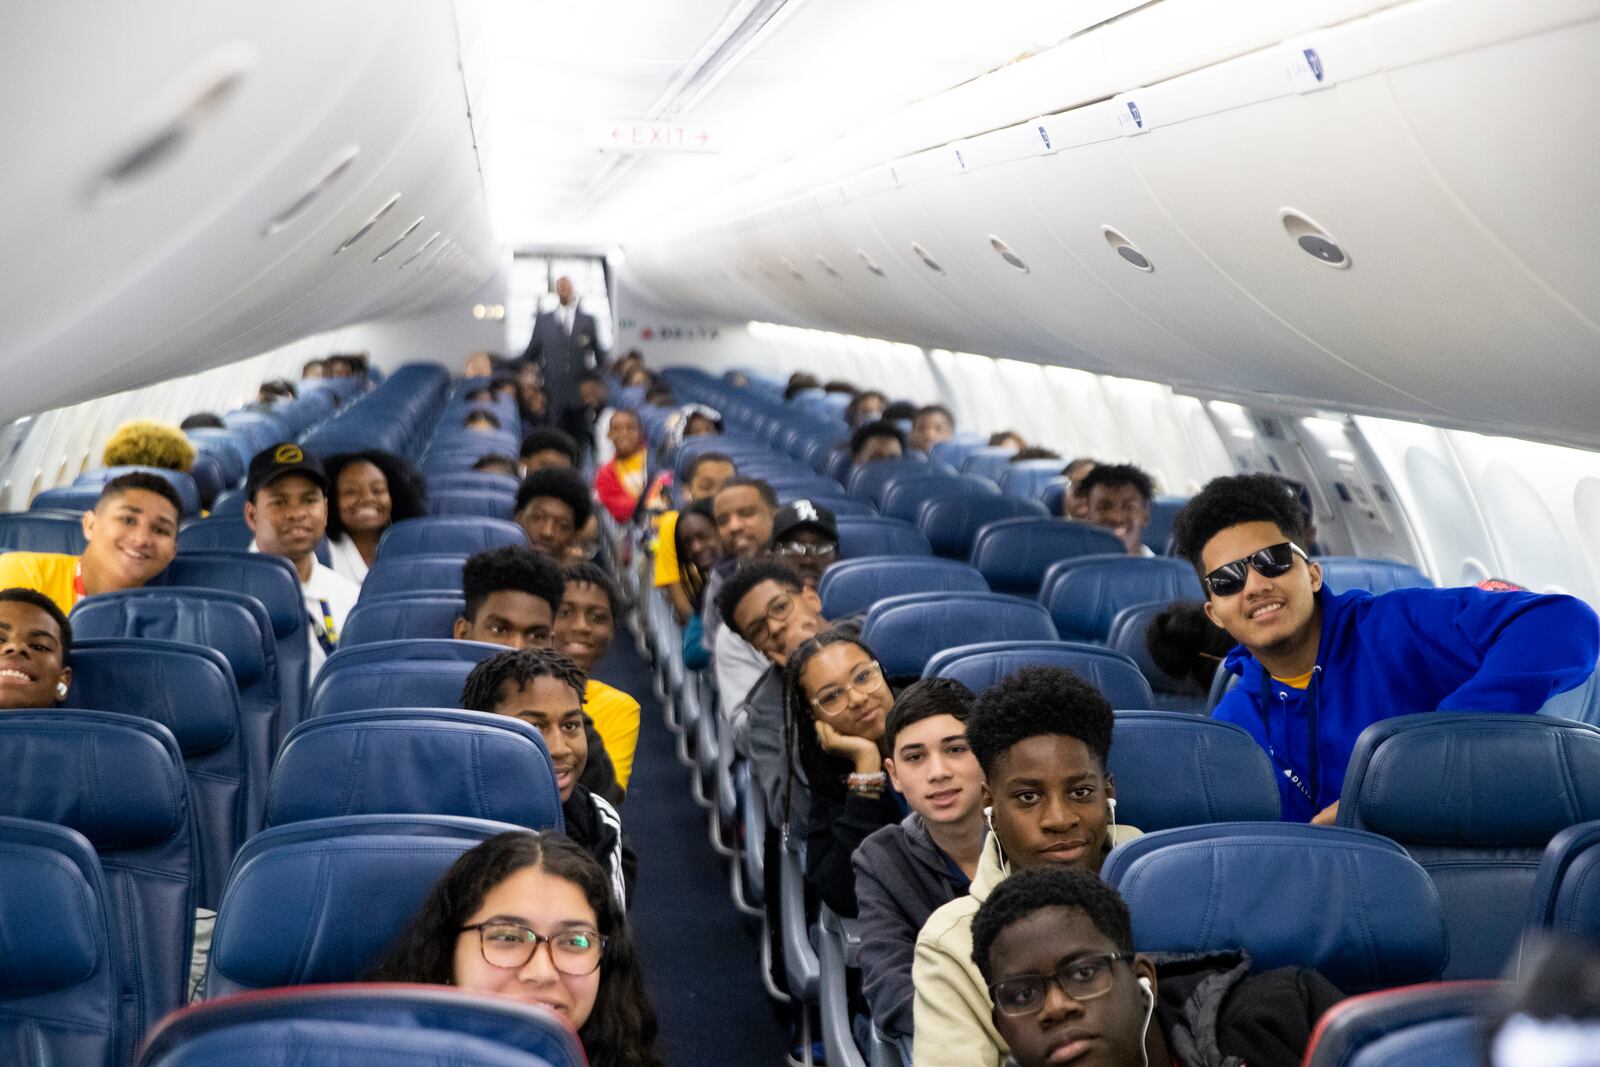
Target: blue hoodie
1409,651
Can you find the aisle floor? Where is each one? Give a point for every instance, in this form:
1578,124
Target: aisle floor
700,958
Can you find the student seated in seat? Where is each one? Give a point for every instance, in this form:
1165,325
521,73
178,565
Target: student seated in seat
1117,496
705,475
552,506
35,642
873,441
1318,666
547,447
805,535
697,550
512,596
532,916
744,509
1041,737
545,690
1055,947
132,535
837,702
866,406
907,871
148,443
621,482
585,626
372,491
931,425
286,506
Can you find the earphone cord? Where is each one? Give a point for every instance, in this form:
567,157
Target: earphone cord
1144,1035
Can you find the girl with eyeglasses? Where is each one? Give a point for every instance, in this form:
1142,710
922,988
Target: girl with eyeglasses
532,916
836,701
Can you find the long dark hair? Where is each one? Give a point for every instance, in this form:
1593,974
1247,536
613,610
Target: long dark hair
621,1030
690,575
408,497
821,771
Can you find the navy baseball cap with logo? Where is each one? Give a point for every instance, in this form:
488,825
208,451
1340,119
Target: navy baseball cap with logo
282,459
802,514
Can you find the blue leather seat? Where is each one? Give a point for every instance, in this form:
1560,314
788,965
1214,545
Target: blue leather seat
1127,636
58,980
230,450
190,691
233,624
1343,573
321,901
979,666
990,461
370,1026
413,574
955,451
439,534
1027,478
401,616
879,537
871,480
473,480
273,581
489,503
951,523
1437,1024
1053,495
1475,799
1014,554
841,506
1085,593
1158,533
904,497
1173,769
181,482
119,781
216,534
905,632
78,498
854,585
1350,904
397,674
42,531
415,761
228,505
209,480
1566,889
838,465
259,428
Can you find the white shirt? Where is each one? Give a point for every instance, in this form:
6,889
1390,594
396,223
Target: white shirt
346,559
738,665
326,595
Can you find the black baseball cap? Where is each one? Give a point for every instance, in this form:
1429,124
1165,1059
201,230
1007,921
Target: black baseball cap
277,460
798,514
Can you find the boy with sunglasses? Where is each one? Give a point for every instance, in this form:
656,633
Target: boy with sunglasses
1318,666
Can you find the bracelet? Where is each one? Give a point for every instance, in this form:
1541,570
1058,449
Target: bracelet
872,783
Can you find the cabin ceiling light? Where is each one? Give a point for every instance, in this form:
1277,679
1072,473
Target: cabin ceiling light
1125,248
1313,240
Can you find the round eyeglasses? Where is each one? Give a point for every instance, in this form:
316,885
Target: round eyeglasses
868,678
574,953
1083,978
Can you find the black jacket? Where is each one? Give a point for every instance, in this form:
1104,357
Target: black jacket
1215,1013
834,830
595,824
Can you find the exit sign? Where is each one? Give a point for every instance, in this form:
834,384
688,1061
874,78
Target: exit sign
639,135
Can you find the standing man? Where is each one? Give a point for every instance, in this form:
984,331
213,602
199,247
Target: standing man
565,344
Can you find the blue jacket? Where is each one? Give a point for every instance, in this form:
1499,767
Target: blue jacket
1409,651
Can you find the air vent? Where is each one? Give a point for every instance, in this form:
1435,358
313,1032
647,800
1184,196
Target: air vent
927,260
1005,253
425,246
870,264
193,105
764,269
794,272
1125,248
1313,240
341,164
825,265
407,232
369,224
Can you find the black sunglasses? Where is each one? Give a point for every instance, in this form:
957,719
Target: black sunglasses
1269,562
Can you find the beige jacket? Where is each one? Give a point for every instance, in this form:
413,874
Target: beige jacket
951,1011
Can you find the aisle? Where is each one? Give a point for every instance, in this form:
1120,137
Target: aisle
700,960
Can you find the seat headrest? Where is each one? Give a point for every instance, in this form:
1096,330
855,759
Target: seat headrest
270,579
1478,780
951,522
1352,905
401,617
906,631
1173,769
1344,573
235,625
116,779
186,688
1566,891
981,665
414,573
402,684
42,531
903,497
321,901
415,761
851,586
441,534
861,536
1084,594
357,1025
1015,553
52,897
1432,1023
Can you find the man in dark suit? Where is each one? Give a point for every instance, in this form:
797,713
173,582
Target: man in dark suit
565,344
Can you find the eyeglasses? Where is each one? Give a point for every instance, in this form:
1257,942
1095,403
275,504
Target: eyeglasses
778,609
1269,562
867,679
802,550
1084,978
574,953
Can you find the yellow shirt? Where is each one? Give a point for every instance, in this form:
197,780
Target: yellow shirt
1299,681
630,472
667,572
47,572
616,718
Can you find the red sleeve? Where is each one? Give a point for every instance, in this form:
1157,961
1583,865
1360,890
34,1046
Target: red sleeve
617,500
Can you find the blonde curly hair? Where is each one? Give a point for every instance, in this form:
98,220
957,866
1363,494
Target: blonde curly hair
147,443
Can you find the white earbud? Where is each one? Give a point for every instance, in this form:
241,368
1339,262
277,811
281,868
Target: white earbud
1144,984
1149,1013
1111,807
61,689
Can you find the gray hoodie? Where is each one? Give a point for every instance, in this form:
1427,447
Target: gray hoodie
902,877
